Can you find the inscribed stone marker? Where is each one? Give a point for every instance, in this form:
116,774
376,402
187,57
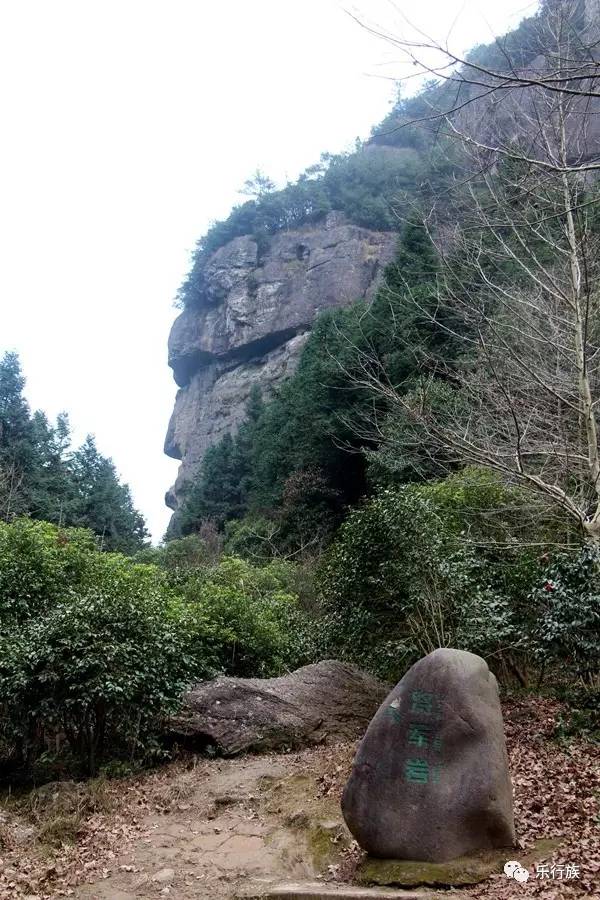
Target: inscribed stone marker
430,779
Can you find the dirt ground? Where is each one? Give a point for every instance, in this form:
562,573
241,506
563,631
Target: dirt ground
199,828
210,828
256,819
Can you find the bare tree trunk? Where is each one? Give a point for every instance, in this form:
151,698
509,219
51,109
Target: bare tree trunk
518,287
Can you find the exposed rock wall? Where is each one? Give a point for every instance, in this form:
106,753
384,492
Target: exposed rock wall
253,321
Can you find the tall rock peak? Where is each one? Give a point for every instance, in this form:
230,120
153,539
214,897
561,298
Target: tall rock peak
257,307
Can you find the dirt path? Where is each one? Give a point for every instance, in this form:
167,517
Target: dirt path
228,824
210,828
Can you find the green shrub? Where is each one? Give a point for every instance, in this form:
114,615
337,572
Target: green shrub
583,716
567,608
179,557
389,581
96,648
254,538
101,665
39,564
408,573
243,613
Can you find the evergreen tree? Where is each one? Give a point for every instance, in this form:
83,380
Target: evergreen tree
39,477
103,503
16,439
307,441
221,490
315,422
53,496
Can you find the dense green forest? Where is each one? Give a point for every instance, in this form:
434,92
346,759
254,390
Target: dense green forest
429,476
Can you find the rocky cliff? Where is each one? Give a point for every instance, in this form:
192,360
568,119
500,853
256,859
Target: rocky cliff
257,307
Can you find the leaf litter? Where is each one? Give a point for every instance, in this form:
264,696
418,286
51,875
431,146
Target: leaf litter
556,789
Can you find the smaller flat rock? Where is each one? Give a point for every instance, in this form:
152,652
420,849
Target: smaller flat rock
466,870
164,876
318,891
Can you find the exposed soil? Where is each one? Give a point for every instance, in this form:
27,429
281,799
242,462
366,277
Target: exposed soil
209,828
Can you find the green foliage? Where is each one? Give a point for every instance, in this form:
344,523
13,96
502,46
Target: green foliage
390,559
402,126
39,565
99,647
243,614
582,720
93,645
567,605
258,185
104,663
54,493
303,427
254,538
289,461
366,185
181,556
460,562
17,448
41,477
370,185
221,490
407,574
103,503
291,446
238,611
404,453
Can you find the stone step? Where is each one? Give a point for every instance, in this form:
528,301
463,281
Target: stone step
319,891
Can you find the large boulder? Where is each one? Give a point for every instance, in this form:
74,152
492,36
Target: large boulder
430,779
327,701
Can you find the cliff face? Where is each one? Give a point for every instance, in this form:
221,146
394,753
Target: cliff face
255,316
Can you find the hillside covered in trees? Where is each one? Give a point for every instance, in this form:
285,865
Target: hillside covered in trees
459,394
398,358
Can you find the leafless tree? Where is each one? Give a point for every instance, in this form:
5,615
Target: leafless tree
480,104
519,290
10,485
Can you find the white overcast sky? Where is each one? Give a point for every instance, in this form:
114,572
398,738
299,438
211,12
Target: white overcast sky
126,127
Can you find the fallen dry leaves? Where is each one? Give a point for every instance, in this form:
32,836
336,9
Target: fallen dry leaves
31,868
557,795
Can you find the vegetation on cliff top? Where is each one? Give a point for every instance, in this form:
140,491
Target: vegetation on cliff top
364,185
372,185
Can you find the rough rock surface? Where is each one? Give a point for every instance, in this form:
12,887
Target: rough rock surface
249,328
430,780
465,870
329,700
